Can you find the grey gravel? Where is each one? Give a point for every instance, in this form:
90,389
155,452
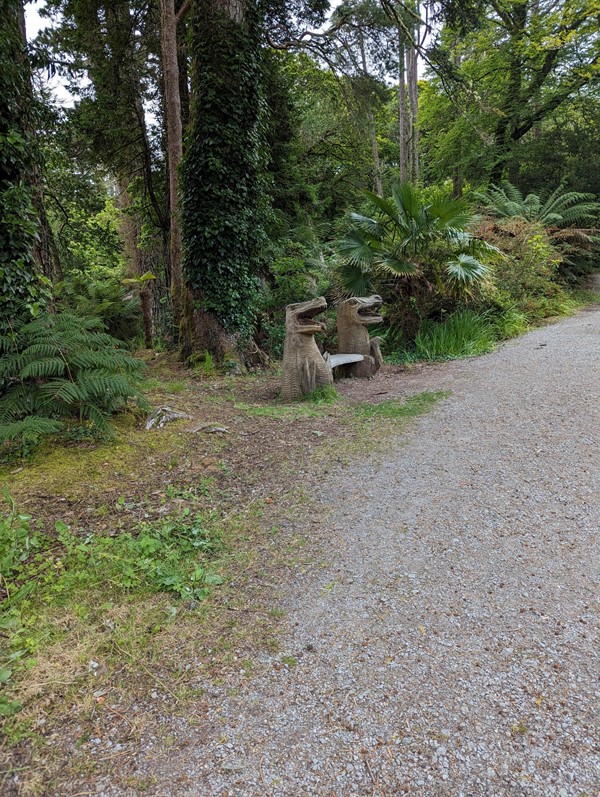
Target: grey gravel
449,645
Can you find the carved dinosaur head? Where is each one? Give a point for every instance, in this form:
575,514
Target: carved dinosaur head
362,309
300,317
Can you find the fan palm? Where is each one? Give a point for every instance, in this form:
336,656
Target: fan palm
407,237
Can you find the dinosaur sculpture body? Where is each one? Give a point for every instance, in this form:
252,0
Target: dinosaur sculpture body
353,338
304,368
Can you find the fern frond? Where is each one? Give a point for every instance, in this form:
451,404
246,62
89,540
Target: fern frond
96,416
49,366
29,429
61,366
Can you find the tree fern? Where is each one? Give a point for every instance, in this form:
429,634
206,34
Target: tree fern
57,368
561,209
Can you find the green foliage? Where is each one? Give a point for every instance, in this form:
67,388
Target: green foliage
220,177
322,395
99,293
509,323
526,278
38,568
410,236
56,370
21,288
559,214
502,84
294,276
561,209
463,334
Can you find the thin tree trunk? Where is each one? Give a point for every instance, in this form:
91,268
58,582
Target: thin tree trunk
371,121
182,61
457,182
376,163
457,172
174,146
413,103
402,117
135,257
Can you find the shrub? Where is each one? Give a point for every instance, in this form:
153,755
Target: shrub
526,278
293,277
99,293
56,370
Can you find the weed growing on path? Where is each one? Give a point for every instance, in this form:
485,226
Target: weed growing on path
414,406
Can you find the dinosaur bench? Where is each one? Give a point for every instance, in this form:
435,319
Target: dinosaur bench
304,367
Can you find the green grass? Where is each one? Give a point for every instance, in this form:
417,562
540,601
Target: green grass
463,334
46,573
299,410
322,395
583,297
416,405
510,323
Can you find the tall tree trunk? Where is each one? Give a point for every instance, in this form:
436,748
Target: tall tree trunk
168,39
371,122
457,172
182,61
135,258
45,251
413,103
513,99
457,182
402,115
377,184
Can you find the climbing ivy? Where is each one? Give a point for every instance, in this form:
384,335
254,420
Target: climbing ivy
221,187
20,285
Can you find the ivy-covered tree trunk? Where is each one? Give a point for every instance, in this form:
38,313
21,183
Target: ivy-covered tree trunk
20,286
221,191
172,102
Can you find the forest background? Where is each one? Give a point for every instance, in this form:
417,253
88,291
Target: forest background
219,160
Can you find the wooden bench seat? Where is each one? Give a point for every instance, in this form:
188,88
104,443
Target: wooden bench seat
333,360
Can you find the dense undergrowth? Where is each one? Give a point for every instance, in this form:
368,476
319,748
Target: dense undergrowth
61,373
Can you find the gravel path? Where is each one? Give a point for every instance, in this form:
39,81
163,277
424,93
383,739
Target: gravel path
450,645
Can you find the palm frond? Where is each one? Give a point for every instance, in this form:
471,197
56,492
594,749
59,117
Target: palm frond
358,248
386,208
356,280
395,263
466,269
368,225
410,207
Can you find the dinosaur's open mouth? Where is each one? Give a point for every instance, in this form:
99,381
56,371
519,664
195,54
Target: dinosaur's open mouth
308,317
370,313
